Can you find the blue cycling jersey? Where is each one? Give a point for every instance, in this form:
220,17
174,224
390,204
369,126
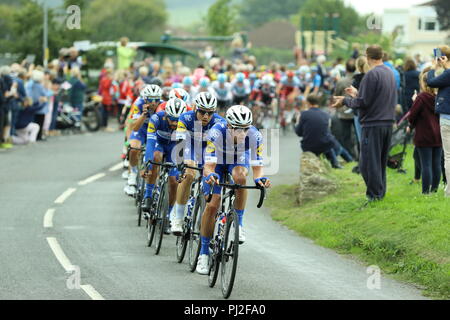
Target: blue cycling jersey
221,148
158,132
295,82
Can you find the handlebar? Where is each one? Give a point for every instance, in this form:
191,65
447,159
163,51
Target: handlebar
165,164
262,190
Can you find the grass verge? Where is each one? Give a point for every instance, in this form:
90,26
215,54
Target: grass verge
407,234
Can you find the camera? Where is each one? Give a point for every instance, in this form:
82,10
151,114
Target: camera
437,53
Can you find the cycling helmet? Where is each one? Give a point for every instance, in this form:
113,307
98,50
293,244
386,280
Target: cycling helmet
187,81
253,76
156,81
240,77
204,82
151,91
179,93
290,73
176,85
303,69
222,77
267,79
239,116
206,100
175,107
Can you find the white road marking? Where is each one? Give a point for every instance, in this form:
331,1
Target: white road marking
65,195
48,218
59,254
91,292
116,167
91,179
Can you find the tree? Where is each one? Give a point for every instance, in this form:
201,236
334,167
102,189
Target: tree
442,8
139,20
254,13
349,20
220,19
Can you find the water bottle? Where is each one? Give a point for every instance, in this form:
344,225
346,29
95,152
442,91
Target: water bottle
222,221
190,206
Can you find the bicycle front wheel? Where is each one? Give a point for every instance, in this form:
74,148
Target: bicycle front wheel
163,206
229,254
194,237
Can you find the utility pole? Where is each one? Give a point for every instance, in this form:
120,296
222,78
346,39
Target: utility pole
45,40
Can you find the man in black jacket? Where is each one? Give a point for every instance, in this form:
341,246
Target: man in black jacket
314,127
375,100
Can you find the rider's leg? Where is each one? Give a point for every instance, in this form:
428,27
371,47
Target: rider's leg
150,181
239,174
134,154
208,222
183,190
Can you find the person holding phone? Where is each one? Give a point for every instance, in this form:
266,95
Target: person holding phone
442,105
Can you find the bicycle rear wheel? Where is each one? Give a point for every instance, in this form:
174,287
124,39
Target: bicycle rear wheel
229,254
139,199
194,236
214,263
183,240
163,206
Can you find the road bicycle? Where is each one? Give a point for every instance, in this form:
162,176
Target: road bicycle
157,218
190,238
140,183
224,245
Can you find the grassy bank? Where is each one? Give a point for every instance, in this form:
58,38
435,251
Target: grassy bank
407,234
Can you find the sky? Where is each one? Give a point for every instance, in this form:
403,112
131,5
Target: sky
377,6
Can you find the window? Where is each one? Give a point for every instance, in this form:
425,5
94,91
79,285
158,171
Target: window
420,24
430,26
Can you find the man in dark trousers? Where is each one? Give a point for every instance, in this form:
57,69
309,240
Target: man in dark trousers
375,101
314,127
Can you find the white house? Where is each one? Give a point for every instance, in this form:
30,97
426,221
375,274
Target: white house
417,28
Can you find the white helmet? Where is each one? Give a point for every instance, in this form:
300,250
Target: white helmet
175,107
206,100
179,93
267,79
151,91
239,116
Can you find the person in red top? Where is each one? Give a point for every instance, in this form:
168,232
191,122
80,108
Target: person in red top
427,137
105,90
126,96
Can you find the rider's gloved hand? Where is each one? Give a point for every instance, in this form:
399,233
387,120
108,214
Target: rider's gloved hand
263,182
212,177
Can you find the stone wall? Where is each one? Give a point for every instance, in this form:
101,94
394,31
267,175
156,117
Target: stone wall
313,181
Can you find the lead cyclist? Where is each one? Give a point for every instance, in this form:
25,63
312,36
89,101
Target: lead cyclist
232,147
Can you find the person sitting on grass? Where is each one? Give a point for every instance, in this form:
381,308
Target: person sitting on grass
314,126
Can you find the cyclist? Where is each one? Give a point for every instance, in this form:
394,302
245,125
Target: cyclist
265,92
289,87
240,88
189,87
203,85
160,143
143,107
238,141
192,127
176,93
222,90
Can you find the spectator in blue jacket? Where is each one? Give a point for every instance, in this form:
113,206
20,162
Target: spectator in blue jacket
442,83
38,94
17,75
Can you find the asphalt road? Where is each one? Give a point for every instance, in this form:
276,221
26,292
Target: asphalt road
94,228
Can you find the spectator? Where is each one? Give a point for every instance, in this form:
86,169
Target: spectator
38,93
427,137
345,115
9,93
18,76
314,127
54,102
388,64
26,130
411,83
74,61
376,100
442,83
105,90
362,67
77,90
125,54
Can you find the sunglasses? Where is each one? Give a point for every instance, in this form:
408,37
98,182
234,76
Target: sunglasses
238,129
172,118
150,100
203,112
